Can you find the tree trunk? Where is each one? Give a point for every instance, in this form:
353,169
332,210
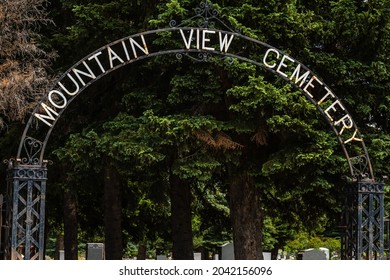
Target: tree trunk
112,214
59,246
141,251
181,219
274,252
246,218
70,226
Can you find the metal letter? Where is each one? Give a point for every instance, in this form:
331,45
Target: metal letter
329,93
346,121
74,82
310,84
59,93
204,40
89,75
113,56
333,107
144,49
353,138
225,42
49,115
281,64
298,78
187,43
95,56
126,51
266,55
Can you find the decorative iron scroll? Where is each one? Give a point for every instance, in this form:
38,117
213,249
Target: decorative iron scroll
360,165
201,57
32,174
32,148
206,16
371,187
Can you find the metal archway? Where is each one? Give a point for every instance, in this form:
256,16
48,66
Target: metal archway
27,173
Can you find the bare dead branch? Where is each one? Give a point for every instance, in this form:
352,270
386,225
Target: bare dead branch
219,141
260,137
24,64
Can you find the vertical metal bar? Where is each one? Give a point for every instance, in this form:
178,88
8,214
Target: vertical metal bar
349,240
29,220
359,227
353,223
382,222
370,226
7,218
42,219
15,208
2,245
388,237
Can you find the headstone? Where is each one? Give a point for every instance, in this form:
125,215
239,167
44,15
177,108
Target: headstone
161,257
216,257
267,256
227,251
95,251
312,254
197,256
61,255
60,247
326,251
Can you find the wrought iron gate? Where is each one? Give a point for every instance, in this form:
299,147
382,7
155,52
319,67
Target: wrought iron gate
364,221
26,193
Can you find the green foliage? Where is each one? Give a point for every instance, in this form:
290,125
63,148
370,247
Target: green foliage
304,241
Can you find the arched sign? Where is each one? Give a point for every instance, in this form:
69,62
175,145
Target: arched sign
204,42
27,174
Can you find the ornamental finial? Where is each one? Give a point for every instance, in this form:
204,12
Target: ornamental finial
206,16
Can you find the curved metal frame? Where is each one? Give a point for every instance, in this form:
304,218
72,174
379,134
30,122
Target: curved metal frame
31,150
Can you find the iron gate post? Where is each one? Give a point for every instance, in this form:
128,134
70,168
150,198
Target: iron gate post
26,188
364,221
387,237
2,243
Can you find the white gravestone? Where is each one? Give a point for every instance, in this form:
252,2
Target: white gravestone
313,254
227,251
197,256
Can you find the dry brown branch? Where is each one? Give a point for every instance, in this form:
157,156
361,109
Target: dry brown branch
260,137
223,141
205,137
23,63
219,141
